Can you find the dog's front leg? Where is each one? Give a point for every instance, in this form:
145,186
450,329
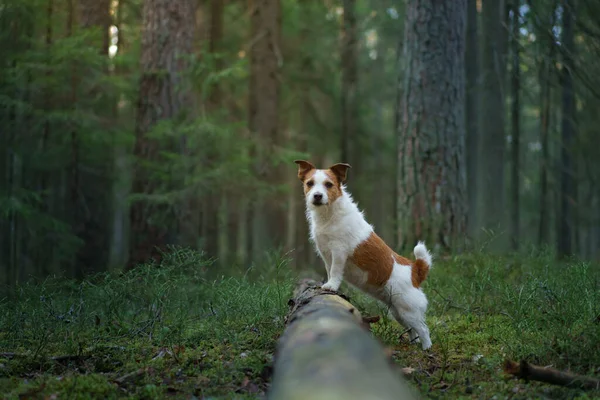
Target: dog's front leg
336,272
326,261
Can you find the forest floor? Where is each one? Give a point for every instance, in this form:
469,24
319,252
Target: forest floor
174,330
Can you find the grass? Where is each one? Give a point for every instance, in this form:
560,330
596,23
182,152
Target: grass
177,329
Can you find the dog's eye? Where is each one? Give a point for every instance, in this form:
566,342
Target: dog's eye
328,185
310,183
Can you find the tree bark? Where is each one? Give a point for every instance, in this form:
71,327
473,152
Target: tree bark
325,353
266,224
516,135
431,129
567,186
545,83
214,200
167,35
95,14
349,68
493,138
472,96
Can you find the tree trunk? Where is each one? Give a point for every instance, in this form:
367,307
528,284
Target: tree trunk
214,200
45,175
266,224
121,170
431,174
349,68
493,138
325,353
93,226
95,14
516,135
567,184
168,27
472,112
545,83
73,208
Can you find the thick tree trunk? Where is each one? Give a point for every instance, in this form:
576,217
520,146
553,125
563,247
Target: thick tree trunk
325,353
567,186
266,224
168,27
472,112
516,135
493,140
431,129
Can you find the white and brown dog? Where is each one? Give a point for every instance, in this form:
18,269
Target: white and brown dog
352,251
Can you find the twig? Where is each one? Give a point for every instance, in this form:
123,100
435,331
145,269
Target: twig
12,355
130,375
527,371
371,319
67,357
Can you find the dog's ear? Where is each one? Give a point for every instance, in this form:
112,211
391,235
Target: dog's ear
304,167
340,170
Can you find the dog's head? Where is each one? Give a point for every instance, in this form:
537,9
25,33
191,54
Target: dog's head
322,187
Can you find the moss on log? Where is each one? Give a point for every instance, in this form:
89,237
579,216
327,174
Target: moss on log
326,353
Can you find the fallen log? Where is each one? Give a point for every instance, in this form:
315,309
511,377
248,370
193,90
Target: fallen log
527,371
326,352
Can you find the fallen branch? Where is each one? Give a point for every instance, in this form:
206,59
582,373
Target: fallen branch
130,376
327,353
527,371
68,357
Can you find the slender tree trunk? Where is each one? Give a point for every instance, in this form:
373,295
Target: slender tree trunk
45,176
73,169
432,132
267,224
93,227
349,68
516,135
214,201
493,138
378,132
121,169
567,186
167,36
95,14
545,83
472,111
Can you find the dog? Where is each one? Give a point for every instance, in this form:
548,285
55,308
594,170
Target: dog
353,252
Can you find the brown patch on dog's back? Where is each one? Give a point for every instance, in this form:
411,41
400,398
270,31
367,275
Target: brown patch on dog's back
374,257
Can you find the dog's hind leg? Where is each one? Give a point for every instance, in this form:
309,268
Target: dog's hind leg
414,338
410,308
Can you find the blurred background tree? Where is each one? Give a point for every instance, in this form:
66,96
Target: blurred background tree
128,125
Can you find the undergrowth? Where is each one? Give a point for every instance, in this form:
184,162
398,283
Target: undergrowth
182,328
162,328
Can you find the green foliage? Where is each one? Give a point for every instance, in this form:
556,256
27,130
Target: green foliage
169,328
485,309
161,327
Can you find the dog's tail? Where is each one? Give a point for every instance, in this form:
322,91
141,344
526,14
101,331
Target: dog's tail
422,264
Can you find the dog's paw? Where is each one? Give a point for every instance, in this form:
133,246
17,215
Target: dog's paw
330,287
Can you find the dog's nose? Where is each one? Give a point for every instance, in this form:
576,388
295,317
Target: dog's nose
318,196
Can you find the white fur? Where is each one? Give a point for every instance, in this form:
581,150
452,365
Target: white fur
337,227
